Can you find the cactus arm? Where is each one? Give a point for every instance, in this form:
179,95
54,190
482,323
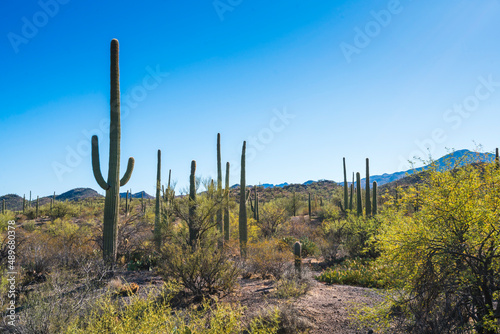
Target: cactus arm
128,172
96,165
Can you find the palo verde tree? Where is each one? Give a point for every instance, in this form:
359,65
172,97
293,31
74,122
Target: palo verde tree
446,255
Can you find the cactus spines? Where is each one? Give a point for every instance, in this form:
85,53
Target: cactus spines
368,206
226,205
220,223
158,207
359,204
193,234
297,251
374,202
243,207
346,197
112,186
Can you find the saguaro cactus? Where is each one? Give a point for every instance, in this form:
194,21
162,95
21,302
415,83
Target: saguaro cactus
193,233
220,224
297,251
3,206
257,218
126,203
243,206
497,159
226,205
374,202
358,194
346,197
309,206
37,202
368,206
112,186
158,206
24,203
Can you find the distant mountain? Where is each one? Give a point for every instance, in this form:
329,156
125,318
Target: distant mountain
459,158
78,194
137,195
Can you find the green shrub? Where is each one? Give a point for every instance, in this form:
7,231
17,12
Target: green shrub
359,272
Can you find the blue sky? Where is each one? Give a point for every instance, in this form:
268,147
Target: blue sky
305,83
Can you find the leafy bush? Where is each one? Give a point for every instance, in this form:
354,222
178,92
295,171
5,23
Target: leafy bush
357,272
204,270
269,257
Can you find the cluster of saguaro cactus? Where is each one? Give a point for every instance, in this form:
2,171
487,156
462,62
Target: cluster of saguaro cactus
243,207
157,232
113,183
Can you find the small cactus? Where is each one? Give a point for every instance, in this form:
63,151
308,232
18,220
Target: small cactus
297,251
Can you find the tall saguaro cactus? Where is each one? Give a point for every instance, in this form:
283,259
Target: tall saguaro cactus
226,205
243,206
24,203
158,205
346,197
374,202
112,185
193,233
358,194
368,206
220,224
37,202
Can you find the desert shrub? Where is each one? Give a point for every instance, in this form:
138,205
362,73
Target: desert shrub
446,252
64,209
329,211
292,285
203,270
351,236
284,319
269,257
271,218
359,272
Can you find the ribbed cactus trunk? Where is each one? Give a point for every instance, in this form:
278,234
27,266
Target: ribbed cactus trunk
254,205
157,233
37,203
243,207
193,233
352,195
126,203
113,183
497,158
346,195
297,251
358,194
24,203
310,213
219,219
368,206
374,202
226,205
3,206
257,218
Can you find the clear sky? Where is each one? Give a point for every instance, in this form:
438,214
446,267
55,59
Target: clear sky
304,82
